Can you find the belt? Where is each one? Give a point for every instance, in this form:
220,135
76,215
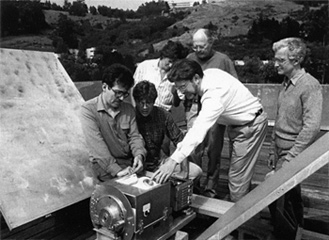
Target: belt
259,112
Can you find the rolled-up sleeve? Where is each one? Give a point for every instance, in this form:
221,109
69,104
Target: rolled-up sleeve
98,150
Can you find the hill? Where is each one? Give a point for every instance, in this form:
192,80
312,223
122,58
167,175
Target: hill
231,17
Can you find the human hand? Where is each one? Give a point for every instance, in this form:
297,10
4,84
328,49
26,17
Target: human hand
124,172
137,164
165,171
269,174
271,161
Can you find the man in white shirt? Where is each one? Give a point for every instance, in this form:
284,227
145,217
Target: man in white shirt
155,71
225,100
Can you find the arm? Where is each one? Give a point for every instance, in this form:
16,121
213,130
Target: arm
176,98
212,108
97,147
312,110
136,144
172,130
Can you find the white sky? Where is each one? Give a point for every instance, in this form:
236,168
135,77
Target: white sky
120,4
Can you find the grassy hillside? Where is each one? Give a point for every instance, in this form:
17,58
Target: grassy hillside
232,18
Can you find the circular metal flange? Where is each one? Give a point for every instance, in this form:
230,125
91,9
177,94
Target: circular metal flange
109,206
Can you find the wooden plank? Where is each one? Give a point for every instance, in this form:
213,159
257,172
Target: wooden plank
210,206
309,161
177,224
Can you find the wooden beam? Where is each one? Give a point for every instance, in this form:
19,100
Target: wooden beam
210,206
309,161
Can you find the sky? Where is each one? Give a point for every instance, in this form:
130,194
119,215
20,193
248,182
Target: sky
120,4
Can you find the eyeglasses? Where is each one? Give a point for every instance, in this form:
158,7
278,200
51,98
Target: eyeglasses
119,93
182,87
198,47
280,61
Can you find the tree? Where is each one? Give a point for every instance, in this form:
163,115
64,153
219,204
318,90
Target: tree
32,18
78,9
93,10
9,18
68,30
315,26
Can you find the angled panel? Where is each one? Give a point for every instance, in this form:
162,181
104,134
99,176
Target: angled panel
43,158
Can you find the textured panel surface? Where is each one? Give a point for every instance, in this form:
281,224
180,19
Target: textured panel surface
43,157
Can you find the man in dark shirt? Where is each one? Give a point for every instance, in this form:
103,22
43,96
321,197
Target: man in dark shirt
154,123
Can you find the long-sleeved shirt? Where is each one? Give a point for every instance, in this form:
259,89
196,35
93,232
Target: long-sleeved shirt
111,139
217,60
224,100
299,112
154,128
149,70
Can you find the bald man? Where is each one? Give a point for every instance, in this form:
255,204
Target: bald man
207,57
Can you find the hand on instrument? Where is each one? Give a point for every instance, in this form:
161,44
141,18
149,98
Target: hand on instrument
165,171
124,172
138,164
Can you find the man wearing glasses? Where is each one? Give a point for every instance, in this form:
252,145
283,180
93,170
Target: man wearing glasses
225,100
115,145
207,57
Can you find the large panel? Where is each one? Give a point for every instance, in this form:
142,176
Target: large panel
43,157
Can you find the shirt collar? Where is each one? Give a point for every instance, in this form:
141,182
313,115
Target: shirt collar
297,76
294,79
101,105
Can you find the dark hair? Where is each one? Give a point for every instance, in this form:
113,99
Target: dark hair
145,90
184,69
173,50
120,74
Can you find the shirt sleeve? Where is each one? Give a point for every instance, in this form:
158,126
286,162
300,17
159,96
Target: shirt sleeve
172,130
139,73
98,150
229,65
312,110
136,141
212,108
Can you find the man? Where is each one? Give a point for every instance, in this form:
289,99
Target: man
155,71
154,123
115,146
207,57
225,100
296,127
